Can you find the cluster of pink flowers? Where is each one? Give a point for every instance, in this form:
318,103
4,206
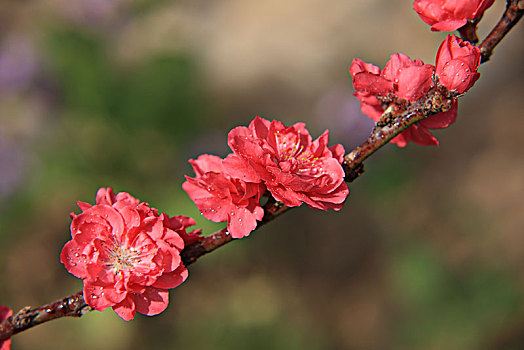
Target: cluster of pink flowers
456,67
449,15
127,254
5,312
285,161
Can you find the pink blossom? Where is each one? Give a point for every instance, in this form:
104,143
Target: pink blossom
5,312
457,63
407,79
220,197
293,167
127,254
449,15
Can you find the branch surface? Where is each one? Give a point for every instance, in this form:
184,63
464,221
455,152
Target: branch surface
398,116
511,16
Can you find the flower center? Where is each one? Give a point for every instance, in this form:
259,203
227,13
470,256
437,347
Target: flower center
122,258
290,150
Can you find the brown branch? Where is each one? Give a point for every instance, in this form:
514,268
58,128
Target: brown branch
73,306
398,116
468,31
511,16
207,244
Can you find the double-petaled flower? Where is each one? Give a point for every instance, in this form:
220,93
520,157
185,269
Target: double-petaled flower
285,161
456,68
294,167
127,254
220,197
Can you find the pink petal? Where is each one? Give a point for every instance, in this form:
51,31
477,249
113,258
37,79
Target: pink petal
240,168
105,196
126,308
259,126
415,81
242,221
152,302
289,197
171,279
73,259
369,105
396,63
5,312
358,66
401,139
371,83
83,206
173,238
206,163
449,25
421,136
338,152
129,214
101,297
441,120
211,207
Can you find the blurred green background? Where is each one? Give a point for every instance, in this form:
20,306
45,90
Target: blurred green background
428,252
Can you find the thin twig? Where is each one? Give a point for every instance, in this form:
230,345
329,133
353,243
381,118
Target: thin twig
511,16
72,306
468,31
437,100
398,116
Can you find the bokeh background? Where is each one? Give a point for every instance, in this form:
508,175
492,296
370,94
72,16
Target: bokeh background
428,252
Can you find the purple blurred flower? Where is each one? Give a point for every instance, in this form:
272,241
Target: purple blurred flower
12,160
18,64
92,12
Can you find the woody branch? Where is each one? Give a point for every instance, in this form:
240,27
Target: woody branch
398,116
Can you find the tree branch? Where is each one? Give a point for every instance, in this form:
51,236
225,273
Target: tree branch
511,16
468,31
73,306
398,116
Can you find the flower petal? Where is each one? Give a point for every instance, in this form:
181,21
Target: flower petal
152,302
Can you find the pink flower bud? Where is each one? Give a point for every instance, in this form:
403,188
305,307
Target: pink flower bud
457,63
449,15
